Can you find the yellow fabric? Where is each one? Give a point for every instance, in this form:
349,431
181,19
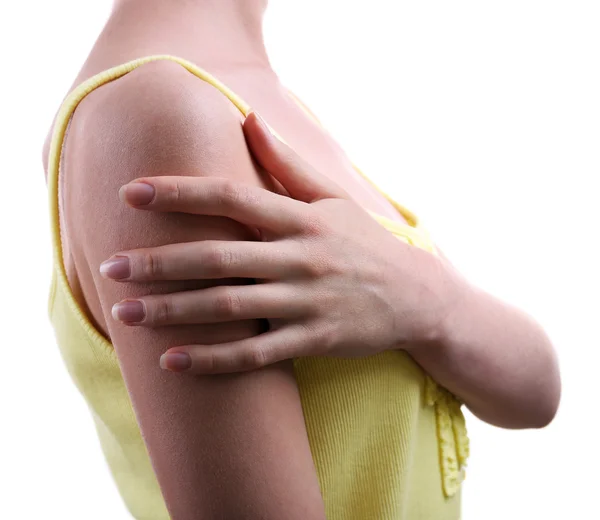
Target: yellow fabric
387,441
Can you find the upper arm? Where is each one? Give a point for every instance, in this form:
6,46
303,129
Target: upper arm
231,446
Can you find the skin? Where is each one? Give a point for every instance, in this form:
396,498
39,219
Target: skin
230,446
320,301
118,136
225,38
327,273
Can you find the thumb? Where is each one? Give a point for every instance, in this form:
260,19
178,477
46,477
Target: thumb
294,173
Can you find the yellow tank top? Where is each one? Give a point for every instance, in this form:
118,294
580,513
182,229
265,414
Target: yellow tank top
387,441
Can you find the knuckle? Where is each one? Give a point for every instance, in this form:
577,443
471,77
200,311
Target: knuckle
151,265
313,262
290,157
315,224
227,304
229,193
234,194
218,259
162,310
327,336
210,362
254,357
173,191
317,266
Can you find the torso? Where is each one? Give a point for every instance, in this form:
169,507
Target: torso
369,413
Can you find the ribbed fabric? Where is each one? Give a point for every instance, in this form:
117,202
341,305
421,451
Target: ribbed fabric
387,441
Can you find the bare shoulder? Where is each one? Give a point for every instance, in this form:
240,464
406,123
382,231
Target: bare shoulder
158,119
156,92
161,113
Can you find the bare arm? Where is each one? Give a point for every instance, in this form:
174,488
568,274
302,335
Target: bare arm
228,446
496,358
490,354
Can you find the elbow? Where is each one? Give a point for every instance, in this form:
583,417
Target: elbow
551,389
548,405
542,417
545,407
533,406
544,386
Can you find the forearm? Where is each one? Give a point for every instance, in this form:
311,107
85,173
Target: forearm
497,359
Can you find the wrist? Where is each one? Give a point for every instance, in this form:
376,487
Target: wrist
449,294
456,316
438,350
453,313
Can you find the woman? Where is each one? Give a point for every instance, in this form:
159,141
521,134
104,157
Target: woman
326,343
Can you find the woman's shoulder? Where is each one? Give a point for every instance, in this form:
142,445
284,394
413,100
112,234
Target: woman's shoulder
158,95
159,91
157,119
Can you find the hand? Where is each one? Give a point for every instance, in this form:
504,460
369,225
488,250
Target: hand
329,278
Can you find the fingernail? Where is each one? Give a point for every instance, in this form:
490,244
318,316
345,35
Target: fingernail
129,311
175,361
271,134
263,123
116,268
260,119
137,193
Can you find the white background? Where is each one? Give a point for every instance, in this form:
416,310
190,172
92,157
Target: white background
482,117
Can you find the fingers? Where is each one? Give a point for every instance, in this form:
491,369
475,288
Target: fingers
240,356
295,174
208,259
213,305
216,196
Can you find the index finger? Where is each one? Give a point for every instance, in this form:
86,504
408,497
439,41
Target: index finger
217,196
